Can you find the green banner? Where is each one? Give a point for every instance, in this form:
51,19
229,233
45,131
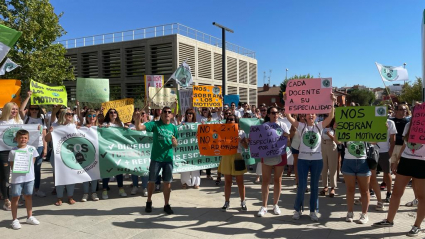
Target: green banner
364,123
48,95
92,90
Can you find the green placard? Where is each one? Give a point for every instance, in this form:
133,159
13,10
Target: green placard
92,90
363,123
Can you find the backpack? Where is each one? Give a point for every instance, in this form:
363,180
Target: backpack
372,155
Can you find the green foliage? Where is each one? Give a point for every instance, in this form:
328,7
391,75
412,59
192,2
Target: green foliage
40,58
285,82
413,92
363,96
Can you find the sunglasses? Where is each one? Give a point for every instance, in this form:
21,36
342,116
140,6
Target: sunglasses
204,110
34,109
112,112
274,112
91,116
228,113
231,119
263,110
166,111
69,114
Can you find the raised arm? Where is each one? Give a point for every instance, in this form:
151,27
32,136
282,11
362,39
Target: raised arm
291,120
328,120
55,109
138,123
80,117
24,104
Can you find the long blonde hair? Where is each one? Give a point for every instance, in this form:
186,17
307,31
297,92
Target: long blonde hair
7,109
62,117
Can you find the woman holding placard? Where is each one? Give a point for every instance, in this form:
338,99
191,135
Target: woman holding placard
309,160
10,115
268,164
205,116
234,166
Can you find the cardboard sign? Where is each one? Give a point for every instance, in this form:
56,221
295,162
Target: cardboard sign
125,113
218,139
207,96
117,103
267,141
309,96
156,81
161,97
417,127
185,100
22,161
92,90
48,95
10,91
228,99
362,123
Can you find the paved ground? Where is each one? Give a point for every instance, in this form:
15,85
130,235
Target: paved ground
198,215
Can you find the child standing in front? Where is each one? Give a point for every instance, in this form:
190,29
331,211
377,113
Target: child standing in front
22,160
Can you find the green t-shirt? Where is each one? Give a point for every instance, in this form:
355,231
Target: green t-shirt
162,149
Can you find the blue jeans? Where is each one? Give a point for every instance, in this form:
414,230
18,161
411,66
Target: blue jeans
315,168
86,186
120,182
69,190
145,179
167,171
37,168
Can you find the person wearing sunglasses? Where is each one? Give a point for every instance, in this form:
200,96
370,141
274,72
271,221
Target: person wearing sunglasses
234,166
34,116
235,111
258,170
165,137
206,116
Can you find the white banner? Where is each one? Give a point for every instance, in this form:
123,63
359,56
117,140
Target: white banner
8,133
161,97
76,155
392,73
8,66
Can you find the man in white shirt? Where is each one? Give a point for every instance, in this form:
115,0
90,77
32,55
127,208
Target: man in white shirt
236,112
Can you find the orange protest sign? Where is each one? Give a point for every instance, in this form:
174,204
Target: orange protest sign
218,139
207,96
10,91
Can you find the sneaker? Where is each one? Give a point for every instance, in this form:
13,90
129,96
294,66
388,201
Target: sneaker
122,193
276,210
225,206
94,197
85,197
380,206
387,198
383,186
349,217
168,210
297,215
243,206
372,194
39,193
148,207
413,203
145,192
383,223
357,202
157,188
134,190
105,195
16,225
314,217
363,218
414,231
262,212
7,207
32,221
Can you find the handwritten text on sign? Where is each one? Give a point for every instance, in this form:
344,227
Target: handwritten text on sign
185,100
207,96
309,96
156,81
363,123
92,90
48,95
218,139
117,103
267,141
417,128
161,97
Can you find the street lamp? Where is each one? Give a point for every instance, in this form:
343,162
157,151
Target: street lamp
286,76
223,54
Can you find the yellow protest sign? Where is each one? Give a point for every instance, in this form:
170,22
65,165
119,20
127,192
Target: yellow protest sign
114,104
48,95
125,113
159,98
10,91
207,96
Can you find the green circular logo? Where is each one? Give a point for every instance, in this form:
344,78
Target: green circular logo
216,90
414,146
388,73
55,94
8,66
215,136
311,139
357,149
13,96
326,83
380,111
279,131
9,136
77,153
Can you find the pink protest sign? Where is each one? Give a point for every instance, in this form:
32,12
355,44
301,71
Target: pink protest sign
417,129
305,96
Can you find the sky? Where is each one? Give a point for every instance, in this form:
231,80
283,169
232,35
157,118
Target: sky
341,39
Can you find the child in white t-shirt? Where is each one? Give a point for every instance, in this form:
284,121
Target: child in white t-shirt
22,159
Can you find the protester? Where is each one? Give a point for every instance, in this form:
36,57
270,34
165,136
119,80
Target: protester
259,169
330,160
226,114
205,116
235,111
295,145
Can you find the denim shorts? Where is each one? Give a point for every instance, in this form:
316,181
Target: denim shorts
295,151
167,171
356,167
22,188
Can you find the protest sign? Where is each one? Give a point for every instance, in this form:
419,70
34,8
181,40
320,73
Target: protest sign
117,103
362,123
48,95
207,96
156,81
218,139
185,100
161,97
417,128
305,96
182,76
245,125
22,161
267,140
228,99
10,91
8,133
125,113
92,90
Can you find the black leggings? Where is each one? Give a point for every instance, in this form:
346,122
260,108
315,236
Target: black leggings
4,174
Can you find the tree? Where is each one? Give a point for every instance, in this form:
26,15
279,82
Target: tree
413,92
40,58
285,82
363,97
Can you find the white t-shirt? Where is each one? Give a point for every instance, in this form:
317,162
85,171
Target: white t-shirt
310,148
385,146
413,150
11,121
38,121
285,121
325,133
237,114
24,177
355,150
242,135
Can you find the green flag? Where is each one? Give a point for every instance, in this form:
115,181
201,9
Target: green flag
8,38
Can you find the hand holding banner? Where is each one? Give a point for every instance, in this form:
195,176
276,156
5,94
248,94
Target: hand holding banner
267,141
92,90
48,95
207,96
218,139
417,128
